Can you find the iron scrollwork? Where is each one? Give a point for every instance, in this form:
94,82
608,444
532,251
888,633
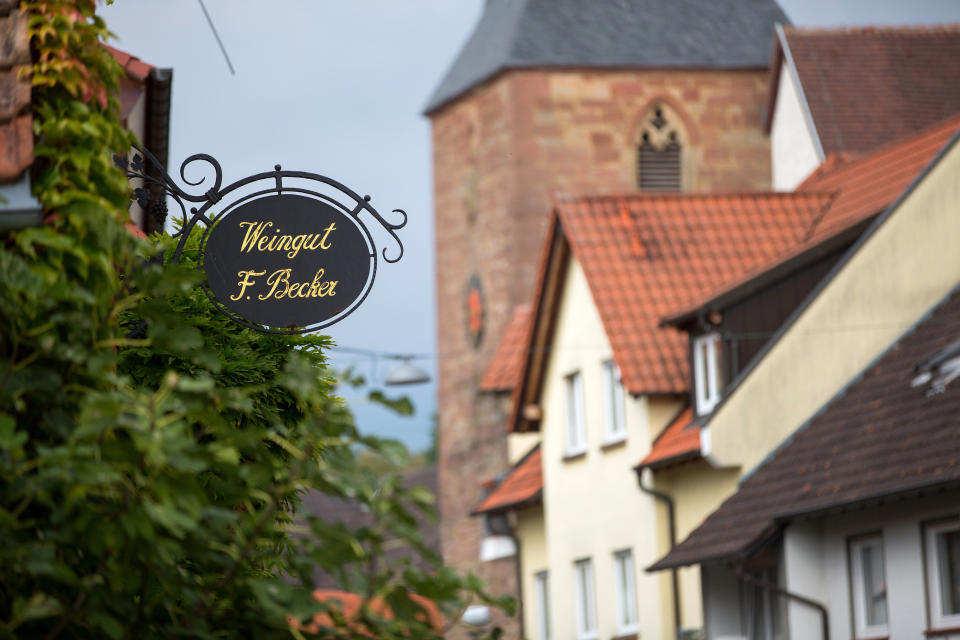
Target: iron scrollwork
196,206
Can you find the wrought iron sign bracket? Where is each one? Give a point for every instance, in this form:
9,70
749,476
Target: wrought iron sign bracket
251,274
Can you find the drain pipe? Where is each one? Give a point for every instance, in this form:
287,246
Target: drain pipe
772,588
671,522
518,566
504,523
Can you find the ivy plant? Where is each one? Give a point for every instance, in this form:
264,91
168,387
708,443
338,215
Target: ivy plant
153,453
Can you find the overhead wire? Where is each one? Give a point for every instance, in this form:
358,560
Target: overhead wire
217,36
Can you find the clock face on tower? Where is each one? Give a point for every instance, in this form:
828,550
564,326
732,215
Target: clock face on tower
476,311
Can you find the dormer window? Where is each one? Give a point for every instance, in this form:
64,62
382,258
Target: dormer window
659,152
615,428
706,371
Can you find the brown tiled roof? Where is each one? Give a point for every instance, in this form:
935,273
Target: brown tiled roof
352,515
16,123
864,186
644,254
507,363
879,437
679,441
868,86
522,486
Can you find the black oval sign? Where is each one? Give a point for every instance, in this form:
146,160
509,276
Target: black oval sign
287,261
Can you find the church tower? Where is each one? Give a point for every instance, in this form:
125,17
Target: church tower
546,96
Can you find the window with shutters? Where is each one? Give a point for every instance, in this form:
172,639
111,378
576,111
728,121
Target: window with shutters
660,152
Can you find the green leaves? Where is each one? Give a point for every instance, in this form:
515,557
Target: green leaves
152,452
10,438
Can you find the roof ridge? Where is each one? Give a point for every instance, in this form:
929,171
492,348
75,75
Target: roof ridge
881,29
610,197
818,218
676,416
950,122
609,34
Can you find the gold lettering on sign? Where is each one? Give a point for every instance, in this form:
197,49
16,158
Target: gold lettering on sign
281,286
257,237
246,279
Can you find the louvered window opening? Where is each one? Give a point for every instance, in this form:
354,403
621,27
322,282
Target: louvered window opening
658,169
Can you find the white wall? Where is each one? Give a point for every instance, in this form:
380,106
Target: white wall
533,558
519,445
900,272
721,602
592,506
815,564
792,141
136,122
804,573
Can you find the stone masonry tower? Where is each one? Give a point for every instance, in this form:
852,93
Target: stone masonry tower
581,97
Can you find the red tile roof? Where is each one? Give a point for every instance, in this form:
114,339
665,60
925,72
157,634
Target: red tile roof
864,187
879,437
522,486
134,66
679,441
645,254
868,86
504,370
870,184
350,605
134,84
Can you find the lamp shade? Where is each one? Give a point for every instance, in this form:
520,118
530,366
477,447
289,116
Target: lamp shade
406,373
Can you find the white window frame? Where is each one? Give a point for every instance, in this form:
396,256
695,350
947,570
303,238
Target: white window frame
576,427
858,588
706,372
938,619
625,591
542,585
614,418
585,602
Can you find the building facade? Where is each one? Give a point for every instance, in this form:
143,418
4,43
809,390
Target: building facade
553,96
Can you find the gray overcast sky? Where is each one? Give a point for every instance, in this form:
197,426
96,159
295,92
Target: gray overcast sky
336,87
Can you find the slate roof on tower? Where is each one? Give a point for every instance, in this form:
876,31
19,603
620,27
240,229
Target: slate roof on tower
513,34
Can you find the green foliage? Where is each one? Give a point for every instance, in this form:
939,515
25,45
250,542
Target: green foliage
149,480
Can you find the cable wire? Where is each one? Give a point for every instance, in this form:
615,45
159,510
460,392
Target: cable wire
217,36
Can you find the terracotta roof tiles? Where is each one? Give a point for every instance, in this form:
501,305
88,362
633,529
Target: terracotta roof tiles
350,605
881,436
645,254
505,368
864,186
867,86
134,66
678,442
522,485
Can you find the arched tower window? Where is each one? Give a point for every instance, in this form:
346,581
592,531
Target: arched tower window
659,151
